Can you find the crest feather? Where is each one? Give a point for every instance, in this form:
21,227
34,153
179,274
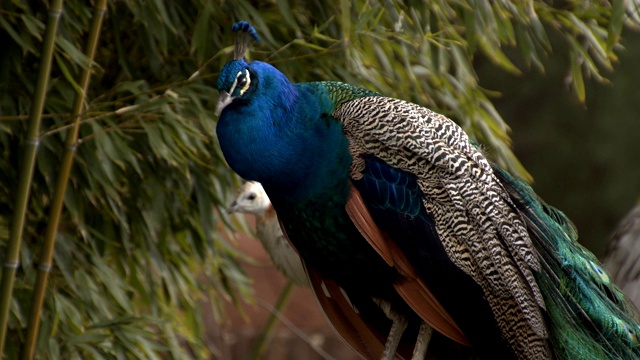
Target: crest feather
245,32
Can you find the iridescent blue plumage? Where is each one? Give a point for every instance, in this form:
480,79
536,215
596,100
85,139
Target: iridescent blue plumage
245,32
394,204
393,196
245,27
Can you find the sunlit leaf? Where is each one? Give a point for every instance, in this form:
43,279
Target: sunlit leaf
577,81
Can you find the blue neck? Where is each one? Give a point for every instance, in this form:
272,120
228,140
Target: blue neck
284,137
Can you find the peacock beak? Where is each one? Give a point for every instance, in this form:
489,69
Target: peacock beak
224,100
233,208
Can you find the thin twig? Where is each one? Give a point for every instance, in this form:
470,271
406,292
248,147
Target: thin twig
294,329
282,301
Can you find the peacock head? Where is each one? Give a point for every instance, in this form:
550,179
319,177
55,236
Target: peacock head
234,81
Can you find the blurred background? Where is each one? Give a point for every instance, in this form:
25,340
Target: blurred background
583,156
146,261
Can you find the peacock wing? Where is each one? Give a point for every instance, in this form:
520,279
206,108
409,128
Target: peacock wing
351,325
471,213
412,289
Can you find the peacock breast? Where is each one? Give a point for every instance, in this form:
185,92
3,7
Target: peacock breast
324,235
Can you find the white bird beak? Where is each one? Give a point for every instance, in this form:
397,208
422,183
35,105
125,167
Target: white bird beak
223,101
233,208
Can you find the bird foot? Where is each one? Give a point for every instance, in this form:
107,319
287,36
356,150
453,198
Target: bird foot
422,342
399,324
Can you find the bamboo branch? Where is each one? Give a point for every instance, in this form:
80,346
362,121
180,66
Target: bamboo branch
26,172
46,258
296,331
265,334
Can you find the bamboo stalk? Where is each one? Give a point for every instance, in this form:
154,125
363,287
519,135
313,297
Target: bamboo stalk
26,172
46,258
261,345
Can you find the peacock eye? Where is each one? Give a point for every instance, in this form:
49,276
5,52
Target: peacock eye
242,82
251,196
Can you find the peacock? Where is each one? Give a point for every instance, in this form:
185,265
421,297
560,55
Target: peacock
251,199
412,239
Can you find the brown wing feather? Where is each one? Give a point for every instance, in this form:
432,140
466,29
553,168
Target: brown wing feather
413,290
362,337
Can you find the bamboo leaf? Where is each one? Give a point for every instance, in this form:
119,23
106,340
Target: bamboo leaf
287,15
592,38
33,25
616,24
202,33
303,43
67,74
26,44
577,80
86,338
499,58
72,53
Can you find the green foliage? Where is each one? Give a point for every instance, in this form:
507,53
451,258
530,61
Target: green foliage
140,240
143,224
582,156
425,51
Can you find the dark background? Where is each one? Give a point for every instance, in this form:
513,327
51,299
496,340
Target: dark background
585,158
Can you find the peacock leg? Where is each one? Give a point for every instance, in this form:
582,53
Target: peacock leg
398,325
422,342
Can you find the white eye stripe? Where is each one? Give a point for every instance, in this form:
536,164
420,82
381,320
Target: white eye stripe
248,83
233,86
245,87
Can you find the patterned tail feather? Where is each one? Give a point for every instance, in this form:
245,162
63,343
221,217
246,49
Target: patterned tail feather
588,316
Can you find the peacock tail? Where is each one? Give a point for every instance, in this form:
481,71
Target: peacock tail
589,317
